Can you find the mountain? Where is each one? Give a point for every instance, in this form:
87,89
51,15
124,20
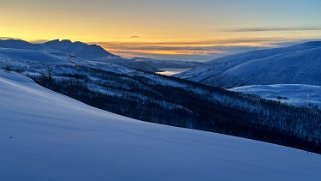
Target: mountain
171,101
66,51
19,44
168,100
9,55
299,64
292,94
48,136
80,50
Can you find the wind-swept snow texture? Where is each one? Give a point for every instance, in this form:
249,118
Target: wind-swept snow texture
48,136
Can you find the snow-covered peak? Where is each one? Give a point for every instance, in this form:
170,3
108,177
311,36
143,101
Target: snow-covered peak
19,44
58,42
80,49
77,52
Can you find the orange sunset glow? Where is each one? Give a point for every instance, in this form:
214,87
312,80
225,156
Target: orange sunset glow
206,29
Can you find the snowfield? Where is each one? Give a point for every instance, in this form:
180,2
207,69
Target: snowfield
299,64
29,55
294,94
48,136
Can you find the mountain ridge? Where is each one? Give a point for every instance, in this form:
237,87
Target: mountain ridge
80,52
298,64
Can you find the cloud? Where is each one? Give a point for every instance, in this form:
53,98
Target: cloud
134,37
195,50
263,29
191,50
7,38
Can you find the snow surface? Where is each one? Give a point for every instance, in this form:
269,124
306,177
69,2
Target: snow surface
299,64
12,55
66,52
294,94
48,136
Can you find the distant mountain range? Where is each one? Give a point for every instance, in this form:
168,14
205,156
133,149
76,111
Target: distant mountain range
98,78
66,51
299,64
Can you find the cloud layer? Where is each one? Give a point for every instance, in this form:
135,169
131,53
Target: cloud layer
192,51
263,29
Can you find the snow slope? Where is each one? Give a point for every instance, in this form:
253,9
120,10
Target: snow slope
20,44
48,136
294,94
299,64
66,51
18,55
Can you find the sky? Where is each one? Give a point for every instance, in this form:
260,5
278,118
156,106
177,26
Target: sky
166,29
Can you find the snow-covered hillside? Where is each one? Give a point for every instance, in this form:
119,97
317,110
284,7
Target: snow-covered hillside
294,94
8,55
66,52
48,136
80,50
300,64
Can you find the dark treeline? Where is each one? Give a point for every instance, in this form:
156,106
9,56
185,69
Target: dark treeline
180,103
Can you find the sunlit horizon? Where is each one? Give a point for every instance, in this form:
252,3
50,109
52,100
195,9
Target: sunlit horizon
181,30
